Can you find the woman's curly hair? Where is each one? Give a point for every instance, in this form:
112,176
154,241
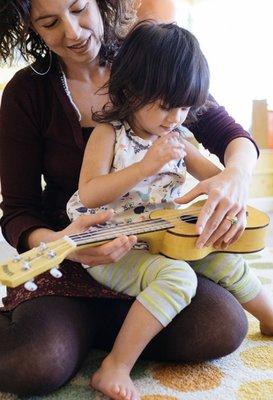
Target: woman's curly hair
16,34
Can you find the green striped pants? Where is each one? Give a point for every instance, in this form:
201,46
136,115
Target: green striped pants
165,286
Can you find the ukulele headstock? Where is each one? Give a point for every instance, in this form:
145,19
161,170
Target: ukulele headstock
24,267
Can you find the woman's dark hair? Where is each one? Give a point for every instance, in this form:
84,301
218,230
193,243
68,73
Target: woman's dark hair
156,61
17,35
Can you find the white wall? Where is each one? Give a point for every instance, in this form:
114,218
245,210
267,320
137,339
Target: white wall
237,39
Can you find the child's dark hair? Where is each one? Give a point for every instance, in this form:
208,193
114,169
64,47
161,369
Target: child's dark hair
156,61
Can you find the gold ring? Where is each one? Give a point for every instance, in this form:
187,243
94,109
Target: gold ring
232,220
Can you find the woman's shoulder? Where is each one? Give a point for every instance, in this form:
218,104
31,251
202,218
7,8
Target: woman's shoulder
28,90
25,80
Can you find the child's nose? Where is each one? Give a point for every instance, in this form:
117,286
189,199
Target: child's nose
175,116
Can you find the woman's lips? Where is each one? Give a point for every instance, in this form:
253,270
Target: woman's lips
81,47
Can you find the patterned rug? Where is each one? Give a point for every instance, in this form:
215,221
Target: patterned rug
247,374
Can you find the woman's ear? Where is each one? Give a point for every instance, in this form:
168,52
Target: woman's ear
160,11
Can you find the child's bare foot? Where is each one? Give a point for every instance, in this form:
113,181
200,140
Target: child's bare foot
113,380
266,329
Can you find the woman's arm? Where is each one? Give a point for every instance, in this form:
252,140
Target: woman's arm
104,254
227,192
215,129
21,158
98,186
21,161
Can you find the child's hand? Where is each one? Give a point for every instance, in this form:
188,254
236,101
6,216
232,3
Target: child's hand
163,150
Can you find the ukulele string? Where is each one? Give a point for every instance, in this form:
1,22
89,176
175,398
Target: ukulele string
111,233
107,233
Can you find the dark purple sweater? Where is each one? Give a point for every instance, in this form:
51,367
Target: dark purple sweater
40,134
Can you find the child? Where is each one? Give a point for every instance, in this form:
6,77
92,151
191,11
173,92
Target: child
134,163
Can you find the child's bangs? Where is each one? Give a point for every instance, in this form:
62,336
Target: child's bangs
174,91
172,69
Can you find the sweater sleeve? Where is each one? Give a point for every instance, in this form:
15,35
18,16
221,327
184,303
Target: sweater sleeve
215,129
21,158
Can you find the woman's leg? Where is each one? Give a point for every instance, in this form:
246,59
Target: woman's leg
43,343
212,326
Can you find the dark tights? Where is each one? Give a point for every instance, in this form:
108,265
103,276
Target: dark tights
44,341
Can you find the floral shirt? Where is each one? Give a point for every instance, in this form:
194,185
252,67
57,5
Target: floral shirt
157,191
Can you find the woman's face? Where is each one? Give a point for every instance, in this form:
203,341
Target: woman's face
71,28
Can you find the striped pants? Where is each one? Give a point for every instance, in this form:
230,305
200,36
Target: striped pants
165,286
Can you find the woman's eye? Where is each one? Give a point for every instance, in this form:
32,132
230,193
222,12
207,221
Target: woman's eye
79,11
50,25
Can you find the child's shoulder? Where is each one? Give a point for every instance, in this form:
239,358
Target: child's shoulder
104,128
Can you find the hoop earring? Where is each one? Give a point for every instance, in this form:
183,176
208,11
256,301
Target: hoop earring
43,73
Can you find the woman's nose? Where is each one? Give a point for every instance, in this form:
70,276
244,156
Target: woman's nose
72,29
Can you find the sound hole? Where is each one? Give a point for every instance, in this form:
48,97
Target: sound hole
191,219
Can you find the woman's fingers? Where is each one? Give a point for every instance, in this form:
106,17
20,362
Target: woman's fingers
119,251
191,195
106,253
236,230
217,224
227,233
210,217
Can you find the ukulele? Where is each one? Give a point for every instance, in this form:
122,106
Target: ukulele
170,232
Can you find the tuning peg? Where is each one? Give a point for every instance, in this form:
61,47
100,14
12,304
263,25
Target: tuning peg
42,246
30,286
51,254
16,258
26,266
56,273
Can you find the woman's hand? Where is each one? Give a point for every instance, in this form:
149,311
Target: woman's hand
227,197
104,254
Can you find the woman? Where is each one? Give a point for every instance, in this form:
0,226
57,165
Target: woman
45,122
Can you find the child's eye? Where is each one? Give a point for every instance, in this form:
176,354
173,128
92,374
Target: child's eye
164,108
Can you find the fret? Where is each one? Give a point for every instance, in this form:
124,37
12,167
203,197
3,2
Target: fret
126,229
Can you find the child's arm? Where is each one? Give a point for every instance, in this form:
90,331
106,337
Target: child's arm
98,187
198,165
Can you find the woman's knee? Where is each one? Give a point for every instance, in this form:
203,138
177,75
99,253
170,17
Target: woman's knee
45,343
30,371
212,326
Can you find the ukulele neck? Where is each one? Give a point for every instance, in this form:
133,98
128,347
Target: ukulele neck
108,233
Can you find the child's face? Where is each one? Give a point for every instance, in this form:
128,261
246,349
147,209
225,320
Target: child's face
153,119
